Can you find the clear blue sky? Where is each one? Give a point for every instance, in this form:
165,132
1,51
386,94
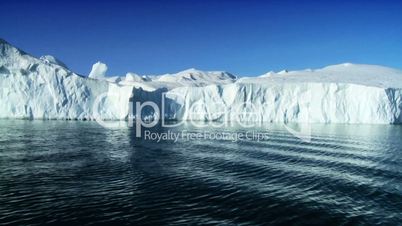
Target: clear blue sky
242,37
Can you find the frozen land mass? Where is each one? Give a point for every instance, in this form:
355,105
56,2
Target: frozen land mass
45,88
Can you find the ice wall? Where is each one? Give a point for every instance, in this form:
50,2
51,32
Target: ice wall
46,89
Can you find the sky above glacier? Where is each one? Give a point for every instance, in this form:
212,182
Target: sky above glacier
243,37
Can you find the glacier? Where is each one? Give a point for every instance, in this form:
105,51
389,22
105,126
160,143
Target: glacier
45,88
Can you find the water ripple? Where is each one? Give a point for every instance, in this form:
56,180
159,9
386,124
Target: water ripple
79,173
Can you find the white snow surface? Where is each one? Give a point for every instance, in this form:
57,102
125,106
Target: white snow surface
98,71
346,93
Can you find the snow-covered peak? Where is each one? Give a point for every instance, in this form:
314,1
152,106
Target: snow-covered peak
16,62
4,42
268,74
133,77
15,57
190,70
283,72
52,60
98,71
194,77
9,51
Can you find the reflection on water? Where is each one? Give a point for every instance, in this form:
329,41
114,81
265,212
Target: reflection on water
81,173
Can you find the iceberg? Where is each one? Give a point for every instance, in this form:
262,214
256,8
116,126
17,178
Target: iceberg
45,88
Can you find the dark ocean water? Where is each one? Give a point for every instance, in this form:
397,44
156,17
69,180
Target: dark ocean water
78,173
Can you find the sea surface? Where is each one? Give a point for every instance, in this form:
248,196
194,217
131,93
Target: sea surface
79,173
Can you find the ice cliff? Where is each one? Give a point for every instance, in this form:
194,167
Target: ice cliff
44,88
